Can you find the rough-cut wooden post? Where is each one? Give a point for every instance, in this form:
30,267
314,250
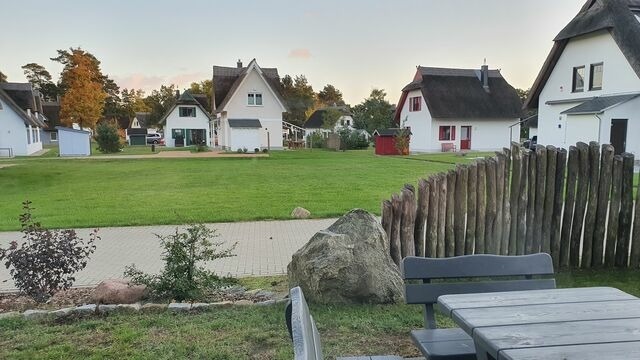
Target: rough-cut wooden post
541,182
506,202
449,237
481,206
531,206
472,200
460,209
394,241
497,229
604,191
558,200
419,235
408,223
432,217
569,202
523,201
516,165
582,193
442,217
387,218
549,197
592,204
634,262
626,211
489,231
614,212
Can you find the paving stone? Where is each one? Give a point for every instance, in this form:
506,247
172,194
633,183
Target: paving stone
153,308
85,309
222,303
135,307
106,308
179,307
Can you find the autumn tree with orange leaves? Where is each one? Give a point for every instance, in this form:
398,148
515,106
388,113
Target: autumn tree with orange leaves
84,98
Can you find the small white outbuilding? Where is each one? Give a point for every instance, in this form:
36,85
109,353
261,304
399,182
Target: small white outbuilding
72,142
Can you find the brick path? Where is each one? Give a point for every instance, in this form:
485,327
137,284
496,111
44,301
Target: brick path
264,248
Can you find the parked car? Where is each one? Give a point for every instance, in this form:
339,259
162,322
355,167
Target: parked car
155,139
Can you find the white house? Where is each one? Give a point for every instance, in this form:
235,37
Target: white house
459,109
248,93
21,119
73,142
316,122
589,86
186,123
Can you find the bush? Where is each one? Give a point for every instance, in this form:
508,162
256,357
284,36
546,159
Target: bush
256,150
244,150
316,140
107,137
182,277
239,151
47,260
352,140
265,150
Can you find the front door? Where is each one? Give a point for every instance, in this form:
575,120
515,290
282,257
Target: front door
465,138
619,135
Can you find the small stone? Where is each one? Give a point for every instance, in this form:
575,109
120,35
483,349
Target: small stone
222,303
128,307
300,213
266,303
63,312
179,307
85,309
8,315
35,314
200,305
243,302
153,308
104,309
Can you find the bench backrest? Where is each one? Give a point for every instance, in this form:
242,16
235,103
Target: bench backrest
302,328
522,268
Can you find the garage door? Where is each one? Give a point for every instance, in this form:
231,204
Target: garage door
138,139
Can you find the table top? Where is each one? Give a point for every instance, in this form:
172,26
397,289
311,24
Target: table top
567,324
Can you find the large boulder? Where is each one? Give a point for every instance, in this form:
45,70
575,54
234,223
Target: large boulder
347,263
118,291
300,213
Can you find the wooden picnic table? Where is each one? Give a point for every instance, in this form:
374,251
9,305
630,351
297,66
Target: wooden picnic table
557,324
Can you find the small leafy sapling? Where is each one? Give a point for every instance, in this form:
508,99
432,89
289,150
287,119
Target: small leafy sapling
46,261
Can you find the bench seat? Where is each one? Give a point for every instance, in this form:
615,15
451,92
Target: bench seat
449,344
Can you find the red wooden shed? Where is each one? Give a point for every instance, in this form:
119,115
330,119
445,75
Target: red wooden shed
386,141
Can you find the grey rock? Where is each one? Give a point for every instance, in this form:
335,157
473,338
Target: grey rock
85,309
300,213
222,303
200,306
118,291
348,263
266,303
128,307
61,313
179,307
105,309
153,308
9,315
32,314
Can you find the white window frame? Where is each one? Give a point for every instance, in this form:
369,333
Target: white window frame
252,99
52,135
186,107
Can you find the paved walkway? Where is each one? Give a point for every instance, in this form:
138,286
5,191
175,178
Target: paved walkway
264,248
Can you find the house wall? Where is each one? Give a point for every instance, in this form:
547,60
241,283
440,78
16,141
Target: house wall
45,137
14,133
249,138
420,124
269,113
618,77
486,134
72,143
630,111
174,121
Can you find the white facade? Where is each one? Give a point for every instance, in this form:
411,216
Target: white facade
480,134
269,112
15,135
245,138
618,78
182,127
344,122
72,142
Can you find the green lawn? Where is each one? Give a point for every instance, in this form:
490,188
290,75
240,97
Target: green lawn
119,192
242,332
127,150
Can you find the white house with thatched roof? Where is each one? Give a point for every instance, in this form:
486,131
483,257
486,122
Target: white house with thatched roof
589,86
21,119
186,123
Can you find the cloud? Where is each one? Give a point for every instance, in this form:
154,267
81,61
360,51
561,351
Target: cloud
300,54
152,82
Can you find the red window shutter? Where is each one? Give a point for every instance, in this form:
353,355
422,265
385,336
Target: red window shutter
441,133
453,133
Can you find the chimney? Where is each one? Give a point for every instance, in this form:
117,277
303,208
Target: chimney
177,94
484,70
239,64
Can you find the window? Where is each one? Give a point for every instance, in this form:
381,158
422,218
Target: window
54,136
578,79
254,99
447,133
415,103
176,134
595,76
189,111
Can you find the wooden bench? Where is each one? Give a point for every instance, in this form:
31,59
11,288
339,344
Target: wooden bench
455,344
304,333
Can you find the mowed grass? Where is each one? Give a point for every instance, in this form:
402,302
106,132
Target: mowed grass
243,332
121,192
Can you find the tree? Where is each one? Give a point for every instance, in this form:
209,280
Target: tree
375,112
3,77
300,98
40,78
330,96
203,87
133,102
159,102
330,117
84,97
108,138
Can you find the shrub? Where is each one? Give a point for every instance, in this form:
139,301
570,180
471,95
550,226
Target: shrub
201,148
352,140
107,137
239,151
47,260
244,150
182,277
256,150
316,140
265,150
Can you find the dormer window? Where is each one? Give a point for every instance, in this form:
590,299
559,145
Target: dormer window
187,111
254,99
578,79
595,76
415,103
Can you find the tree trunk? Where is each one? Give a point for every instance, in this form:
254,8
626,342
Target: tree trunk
614,212
592,204
604,191
569,203
497,229
549,197
396,253
581,203
626,210
449,238
432,217
481,206
516,166
541,182
531,206
489,232
460,209
506,203
558,200
523,204
442,216
419,235
408,223
472,200
635,239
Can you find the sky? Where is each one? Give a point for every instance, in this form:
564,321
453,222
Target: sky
355,45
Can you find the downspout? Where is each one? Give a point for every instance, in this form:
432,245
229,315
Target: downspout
599,127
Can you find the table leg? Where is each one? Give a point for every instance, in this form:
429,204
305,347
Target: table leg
482,353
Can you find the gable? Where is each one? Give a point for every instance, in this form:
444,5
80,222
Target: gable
253,82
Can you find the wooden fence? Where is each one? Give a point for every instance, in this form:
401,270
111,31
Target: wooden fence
577,206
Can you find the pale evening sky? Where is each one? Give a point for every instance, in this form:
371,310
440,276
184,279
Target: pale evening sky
355,45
